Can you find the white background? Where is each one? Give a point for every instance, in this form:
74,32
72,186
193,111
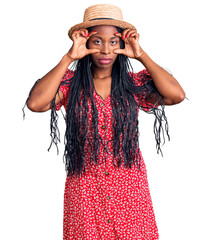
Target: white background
177,36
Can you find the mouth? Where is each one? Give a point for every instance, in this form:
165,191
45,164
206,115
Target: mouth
104,60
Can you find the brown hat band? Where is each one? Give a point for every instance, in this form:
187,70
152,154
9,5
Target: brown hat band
101,19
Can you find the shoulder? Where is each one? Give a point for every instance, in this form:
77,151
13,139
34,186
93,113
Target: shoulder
140,77
69,74
66,82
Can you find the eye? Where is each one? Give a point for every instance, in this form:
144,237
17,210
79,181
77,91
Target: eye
113,42
98,42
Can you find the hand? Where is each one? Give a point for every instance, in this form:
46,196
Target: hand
79,49
132,48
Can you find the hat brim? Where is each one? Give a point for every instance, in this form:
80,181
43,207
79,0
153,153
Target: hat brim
87,24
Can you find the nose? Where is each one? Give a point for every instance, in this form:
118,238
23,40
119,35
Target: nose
106,49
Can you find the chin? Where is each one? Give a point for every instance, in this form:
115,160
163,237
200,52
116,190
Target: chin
104,66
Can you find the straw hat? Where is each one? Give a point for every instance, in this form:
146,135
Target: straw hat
102,14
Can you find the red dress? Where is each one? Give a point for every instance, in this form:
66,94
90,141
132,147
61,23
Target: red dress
108,203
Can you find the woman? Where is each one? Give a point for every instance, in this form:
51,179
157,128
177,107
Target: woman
106,193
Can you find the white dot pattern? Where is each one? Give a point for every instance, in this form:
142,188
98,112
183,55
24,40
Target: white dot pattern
107,202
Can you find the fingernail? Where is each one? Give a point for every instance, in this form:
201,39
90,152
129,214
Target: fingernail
122,37
95,31
126,35
116,33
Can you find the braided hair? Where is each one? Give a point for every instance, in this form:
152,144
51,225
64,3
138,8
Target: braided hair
124,115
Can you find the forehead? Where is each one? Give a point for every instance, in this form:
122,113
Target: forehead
105,29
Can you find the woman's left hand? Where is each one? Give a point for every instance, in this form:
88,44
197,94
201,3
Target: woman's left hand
132,48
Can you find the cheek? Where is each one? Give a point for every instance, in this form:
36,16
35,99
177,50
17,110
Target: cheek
94,58
90,44
116,47
119,45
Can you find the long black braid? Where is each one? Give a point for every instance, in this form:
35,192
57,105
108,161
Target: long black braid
124,115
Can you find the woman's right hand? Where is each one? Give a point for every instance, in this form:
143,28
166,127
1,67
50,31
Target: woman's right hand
79,49
45,89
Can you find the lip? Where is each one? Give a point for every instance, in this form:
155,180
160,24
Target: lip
104,60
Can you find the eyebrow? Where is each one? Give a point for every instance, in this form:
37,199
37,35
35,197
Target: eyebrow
101,37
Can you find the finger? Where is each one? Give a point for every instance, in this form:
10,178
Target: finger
125,33
92,51
135,36
75,34
83,32
119,51
92,33
131,33
117,34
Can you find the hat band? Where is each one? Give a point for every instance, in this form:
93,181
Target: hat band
101,19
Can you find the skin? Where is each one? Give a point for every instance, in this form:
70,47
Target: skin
104,42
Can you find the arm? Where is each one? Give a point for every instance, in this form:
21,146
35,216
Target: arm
165,83
45,89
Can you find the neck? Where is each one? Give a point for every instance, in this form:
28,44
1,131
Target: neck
101,72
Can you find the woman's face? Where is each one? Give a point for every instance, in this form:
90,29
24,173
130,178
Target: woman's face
106,42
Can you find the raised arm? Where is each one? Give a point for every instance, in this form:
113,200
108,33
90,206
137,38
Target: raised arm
45,89
165,83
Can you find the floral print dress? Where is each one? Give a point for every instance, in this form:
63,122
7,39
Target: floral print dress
108,203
